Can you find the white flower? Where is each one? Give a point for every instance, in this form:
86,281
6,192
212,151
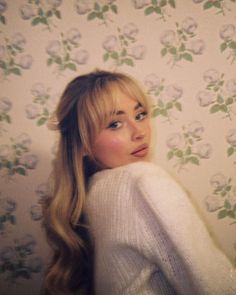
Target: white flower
227,32
231,137
38,90
152,81
138,4
5,104
130,30
195,128
4,151
211,75
36,212
24,140
18,40
218,180
27,242
73,35
8,254
175,140
174,91
168,38
138,52
8,205
43,191
30,161
205,98
203,150
197,46
2,52
231,86
25,61
81,56
27,11
54,3
189,25
214,203
35,264
3,6
110,43
83,6
54,48
32,111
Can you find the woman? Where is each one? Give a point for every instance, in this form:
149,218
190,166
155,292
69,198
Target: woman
117,223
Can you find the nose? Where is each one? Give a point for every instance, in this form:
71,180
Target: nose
138,131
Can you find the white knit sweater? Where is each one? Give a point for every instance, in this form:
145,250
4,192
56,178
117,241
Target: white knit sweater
148,238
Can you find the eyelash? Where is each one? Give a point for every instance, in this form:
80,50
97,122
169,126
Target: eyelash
113,123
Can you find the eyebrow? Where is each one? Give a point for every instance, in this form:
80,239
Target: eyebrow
137,106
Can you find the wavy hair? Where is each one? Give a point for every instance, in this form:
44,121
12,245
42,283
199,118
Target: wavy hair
85,107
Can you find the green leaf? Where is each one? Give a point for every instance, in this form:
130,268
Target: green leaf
169,105
172,3
178,106
172,50
49,61
41,121
163,112
163,3
170,155
179,154
187,56
12,219
222,214
16,71
208,5
227,204
164,51
232,45
217,4
215,108
188,151
154,2
149,10
223,46
105,56
157,10
96,6
220,99
231,214
2,19
229,100
58,14
194,160
224,108
230,151
155,112
114,9
36,21
182,47
105,8
49,13
115,55
20,171
71,66
128,61
92,15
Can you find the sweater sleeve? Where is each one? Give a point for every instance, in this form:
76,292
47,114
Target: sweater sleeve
149,239
187,254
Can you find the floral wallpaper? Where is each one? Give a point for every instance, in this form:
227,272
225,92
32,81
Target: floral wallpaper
184,53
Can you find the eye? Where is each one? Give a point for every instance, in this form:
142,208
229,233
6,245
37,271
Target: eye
114,125
140,116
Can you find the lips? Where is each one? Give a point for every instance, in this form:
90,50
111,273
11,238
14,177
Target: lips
141,151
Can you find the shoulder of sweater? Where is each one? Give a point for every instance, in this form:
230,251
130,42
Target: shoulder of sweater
132,173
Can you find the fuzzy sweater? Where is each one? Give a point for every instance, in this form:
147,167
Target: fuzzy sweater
148,238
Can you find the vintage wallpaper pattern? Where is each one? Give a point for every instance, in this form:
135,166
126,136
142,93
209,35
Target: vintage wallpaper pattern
183,51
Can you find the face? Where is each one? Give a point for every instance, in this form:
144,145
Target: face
126,139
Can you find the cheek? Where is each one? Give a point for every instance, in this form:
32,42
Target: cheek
109,143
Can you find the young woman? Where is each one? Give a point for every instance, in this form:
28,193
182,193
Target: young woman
117,223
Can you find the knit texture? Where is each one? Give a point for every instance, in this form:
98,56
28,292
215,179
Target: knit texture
148,238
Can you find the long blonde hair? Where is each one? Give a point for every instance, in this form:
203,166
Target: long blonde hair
84,108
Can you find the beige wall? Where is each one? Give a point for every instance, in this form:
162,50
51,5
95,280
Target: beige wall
185,54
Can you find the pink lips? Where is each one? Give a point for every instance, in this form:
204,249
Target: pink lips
141,151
